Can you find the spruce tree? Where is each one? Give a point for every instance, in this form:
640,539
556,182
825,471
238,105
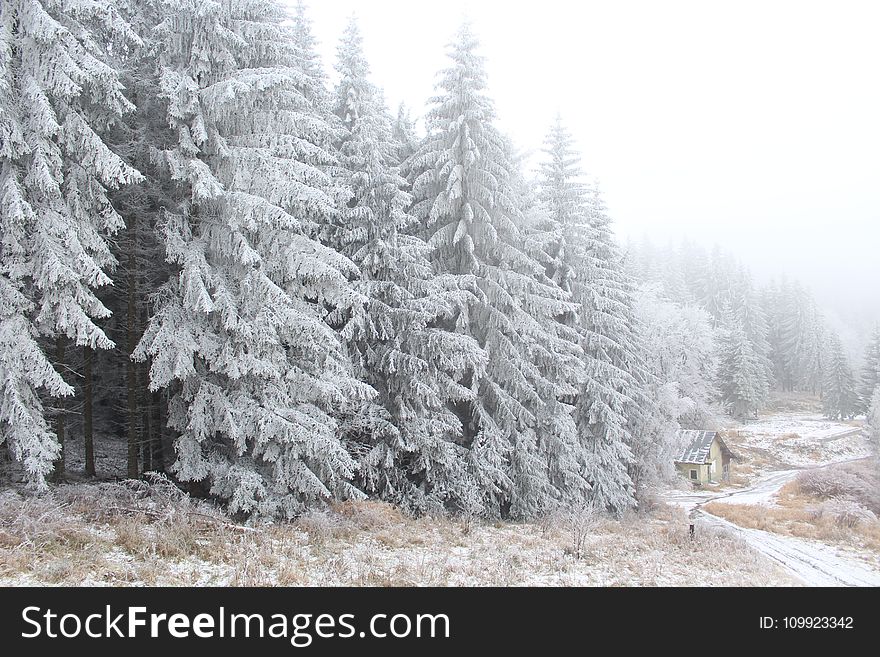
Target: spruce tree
738,369
869,381
467,199
617,346
241,336
754,323
582,259
58,96
404,134
839,398
411,457
873,419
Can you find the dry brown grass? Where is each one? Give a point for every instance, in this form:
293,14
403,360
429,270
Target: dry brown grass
838,504
138,533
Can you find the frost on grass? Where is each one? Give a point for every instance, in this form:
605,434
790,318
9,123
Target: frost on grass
795,440
137,533
836,506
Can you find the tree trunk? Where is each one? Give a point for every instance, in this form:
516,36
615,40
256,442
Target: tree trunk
60,421
88,438
146,411
146,400
159,452
131,366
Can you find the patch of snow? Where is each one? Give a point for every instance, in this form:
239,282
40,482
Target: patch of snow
804,440
816,564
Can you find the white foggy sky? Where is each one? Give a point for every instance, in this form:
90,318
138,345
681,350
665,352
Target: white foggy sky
755,125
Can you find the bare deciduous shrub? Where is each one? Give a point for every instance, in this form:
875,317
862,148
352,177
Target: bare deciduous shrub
828,483
580,522
859,482
846,513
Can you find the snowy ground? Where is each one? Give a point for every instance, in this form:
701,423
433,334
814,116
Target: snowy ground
771,447
797,440
129,533
94,536
814,563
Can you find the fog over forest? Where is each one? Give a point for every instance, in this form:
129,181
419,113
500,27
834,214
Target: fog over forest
751,126
395,293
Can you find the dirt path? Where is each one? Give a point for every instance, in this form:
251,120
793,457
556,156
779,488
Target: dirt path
814,563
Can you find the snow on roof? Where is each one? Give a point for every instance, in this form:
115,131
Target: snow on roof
698,445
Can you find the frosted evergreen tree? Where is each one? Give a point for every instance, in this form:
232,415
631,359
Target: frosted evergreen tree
869,381
674,283
467,200
839,398
618,351
874,419
754,323
404,134
693,263
798,336
579,259
57,98
240,336
414,457
716,284
313,81
562,446
738,367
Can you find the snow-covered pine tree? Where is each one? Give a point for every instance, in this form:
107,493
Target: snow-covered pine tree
839,397
675,286
571,236
746,303
57,98
404,134
716,283
797,351
874,419
693,265
869,381
466,197
413,458
562,446
121,383
313,81
240,335
813,355
738,366
616,344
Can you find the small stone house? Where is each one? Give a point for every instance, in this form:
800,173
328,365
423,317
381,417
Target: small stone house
705,457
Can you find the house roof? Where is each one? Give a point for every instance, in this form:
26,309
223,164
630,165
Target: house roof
699,443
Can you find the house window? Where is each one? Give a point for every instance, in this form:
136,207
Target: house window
693,474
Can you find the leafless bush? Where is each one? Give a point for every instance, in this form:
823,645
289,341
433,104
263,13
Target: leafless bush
829,483
579,522
859,482
156,496
845,513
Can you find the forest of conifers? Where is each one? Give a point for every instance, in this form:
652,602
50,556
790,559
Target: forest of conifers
283,294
